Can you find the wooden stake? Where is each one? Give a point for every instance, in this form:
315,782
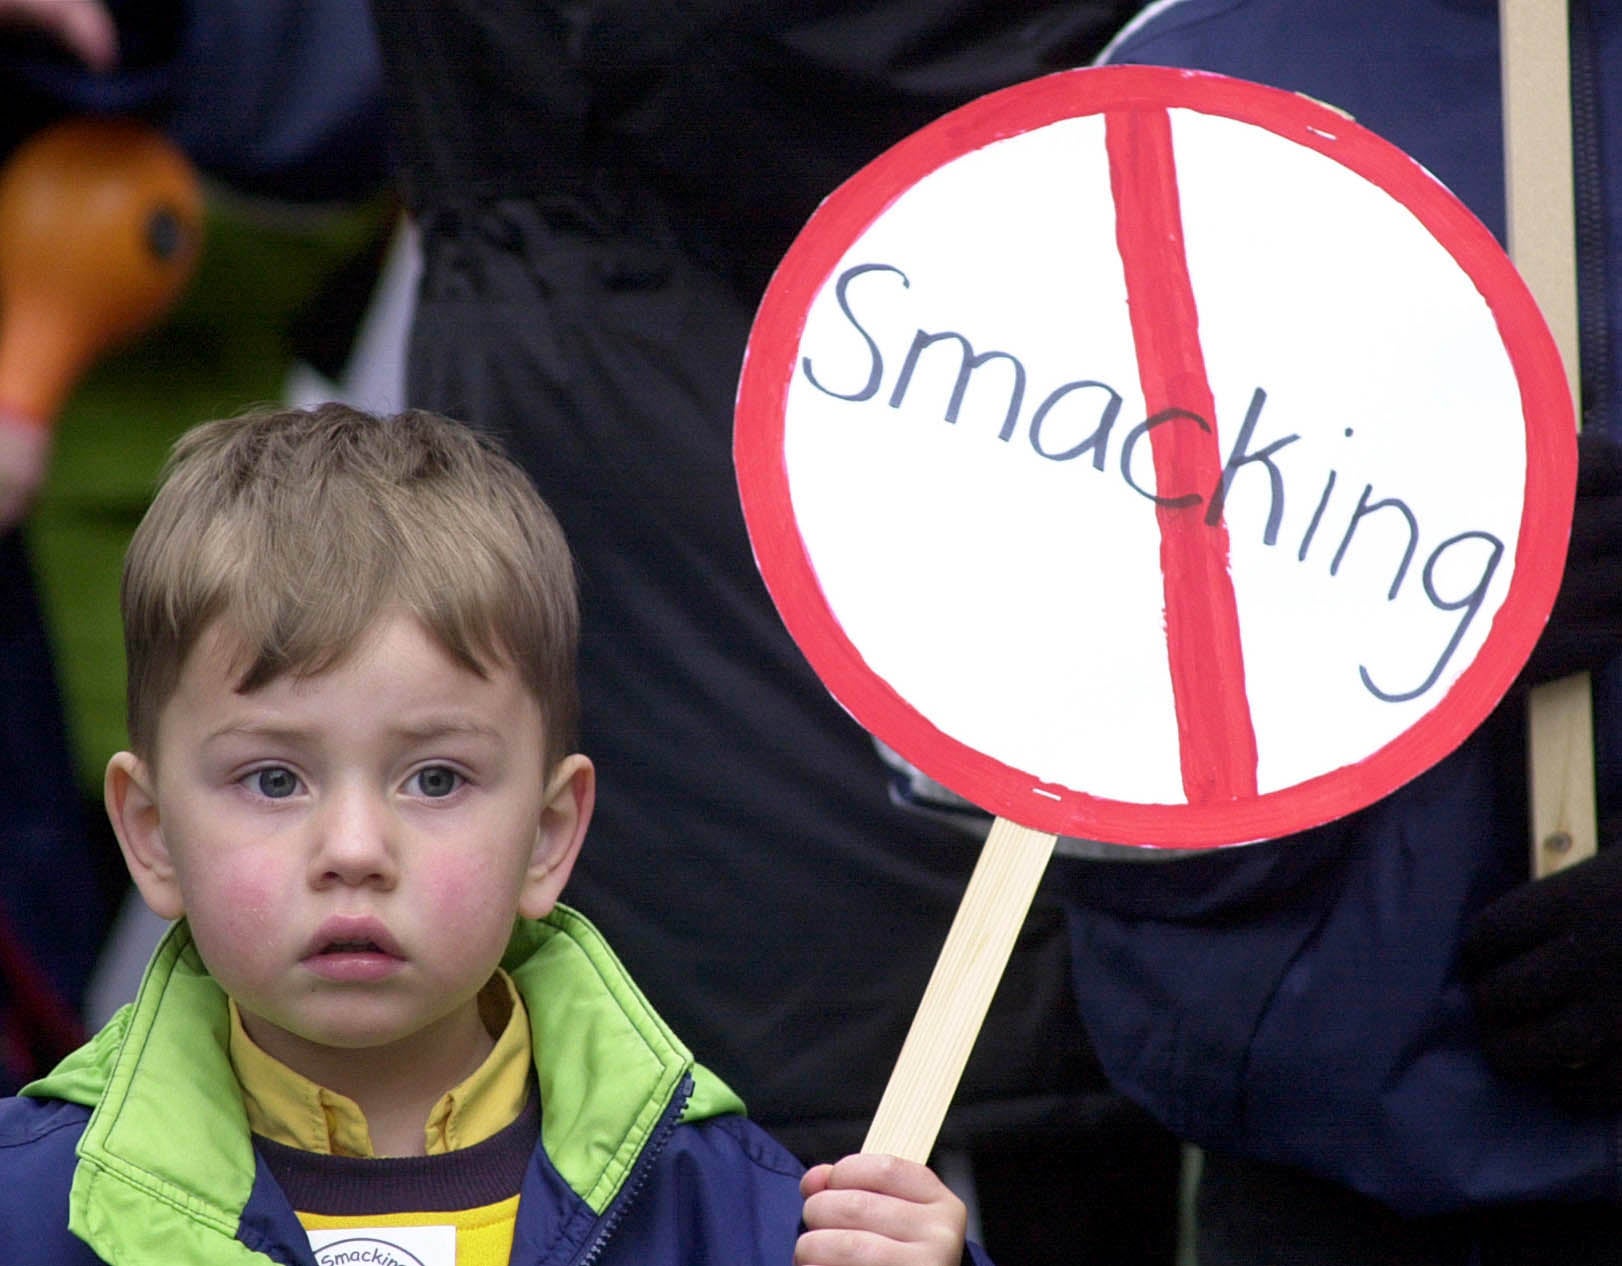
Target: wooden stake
959,993
1536,58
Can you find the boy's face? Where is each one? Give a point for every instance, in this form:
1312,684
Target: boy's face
350,848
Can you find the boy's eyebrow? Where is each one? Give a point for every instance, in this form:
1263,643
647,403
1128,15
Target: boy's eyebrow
447,727
423,730
257,730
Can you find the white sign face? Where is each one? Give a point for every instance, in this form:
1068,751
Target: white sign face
1156,457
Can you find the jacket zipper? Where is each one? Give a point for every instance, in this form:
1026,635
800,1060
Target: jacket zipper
638,1177
1588,187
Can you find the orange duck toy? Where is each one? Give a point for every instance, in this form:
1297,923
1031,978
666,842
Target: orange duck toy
100,229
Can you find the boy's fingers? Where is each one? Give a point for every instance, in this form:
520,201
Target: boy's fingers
868,1212
853,1248
903,1179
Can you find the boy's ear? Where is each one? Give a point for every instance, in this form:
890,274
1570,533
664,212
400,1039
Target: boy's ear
132,806
565,814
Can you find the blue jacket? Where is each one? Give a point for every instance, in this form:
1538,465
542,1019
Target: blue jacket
1298,1001
646,1158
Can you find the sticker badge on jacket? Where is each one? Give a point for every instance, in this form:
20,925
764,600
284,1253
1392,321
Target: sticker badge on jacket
385,1246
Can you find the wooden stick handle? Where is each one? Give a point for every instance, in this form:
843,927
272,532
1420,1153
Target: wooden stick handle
1561,743
959,993
1536,55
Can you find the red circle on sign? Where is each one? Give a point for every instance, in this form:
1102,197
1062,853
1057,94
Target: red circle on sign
1146,93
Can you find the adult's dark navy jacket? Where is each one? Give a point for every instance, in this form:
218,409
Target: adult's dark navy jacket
1299,1001
604,189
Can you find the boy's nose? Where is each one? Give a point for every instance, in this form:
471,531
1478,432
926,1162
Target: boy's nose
355,844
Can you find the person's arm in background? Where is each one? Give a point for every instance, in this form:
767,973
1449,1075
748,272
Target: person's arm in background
1323,1025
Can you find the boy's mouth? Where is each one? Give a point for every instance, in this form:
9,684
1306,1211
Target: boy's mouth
345,935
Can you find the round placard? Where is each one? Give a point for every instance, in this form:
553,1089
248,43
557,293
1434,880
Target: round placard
1156,457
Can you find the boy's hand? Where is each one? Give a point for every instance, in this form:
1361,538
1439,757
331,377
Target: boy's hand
879,1211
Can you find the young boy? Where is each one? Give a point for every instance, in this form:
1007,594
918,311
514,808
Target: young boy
351,710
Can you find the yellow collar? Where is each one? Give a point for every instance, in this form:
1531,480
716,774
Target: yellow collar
288,1108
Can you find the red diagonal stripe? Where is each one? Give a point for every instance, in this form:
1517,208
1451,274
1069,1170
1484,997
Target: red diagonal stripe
1218,741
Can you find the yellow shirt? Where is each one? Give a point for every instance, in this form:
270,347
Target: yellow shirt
288,1108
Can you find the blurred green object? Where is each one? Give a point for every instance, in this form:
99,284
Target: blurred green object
224,348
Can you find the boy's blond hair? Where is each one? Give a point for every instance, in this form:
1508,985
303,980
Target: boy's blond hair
299,528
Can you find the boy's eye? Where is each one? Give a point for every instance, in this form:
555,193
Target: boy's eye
274,783
436,781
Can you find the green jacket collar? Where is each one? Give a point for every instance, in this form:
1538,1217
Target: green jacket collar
166,1161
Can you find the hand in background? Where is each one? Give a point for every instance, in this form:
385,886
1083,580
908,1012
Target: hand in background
1544,966
83,27
25,449
1585,627
879,1211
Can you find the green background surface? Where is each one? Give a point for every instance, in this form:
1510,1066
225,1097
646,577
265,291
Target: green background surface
223,347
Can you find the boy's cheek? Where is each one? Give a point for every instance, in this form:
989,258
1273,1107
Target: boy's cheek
235,916
467,898
454,897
